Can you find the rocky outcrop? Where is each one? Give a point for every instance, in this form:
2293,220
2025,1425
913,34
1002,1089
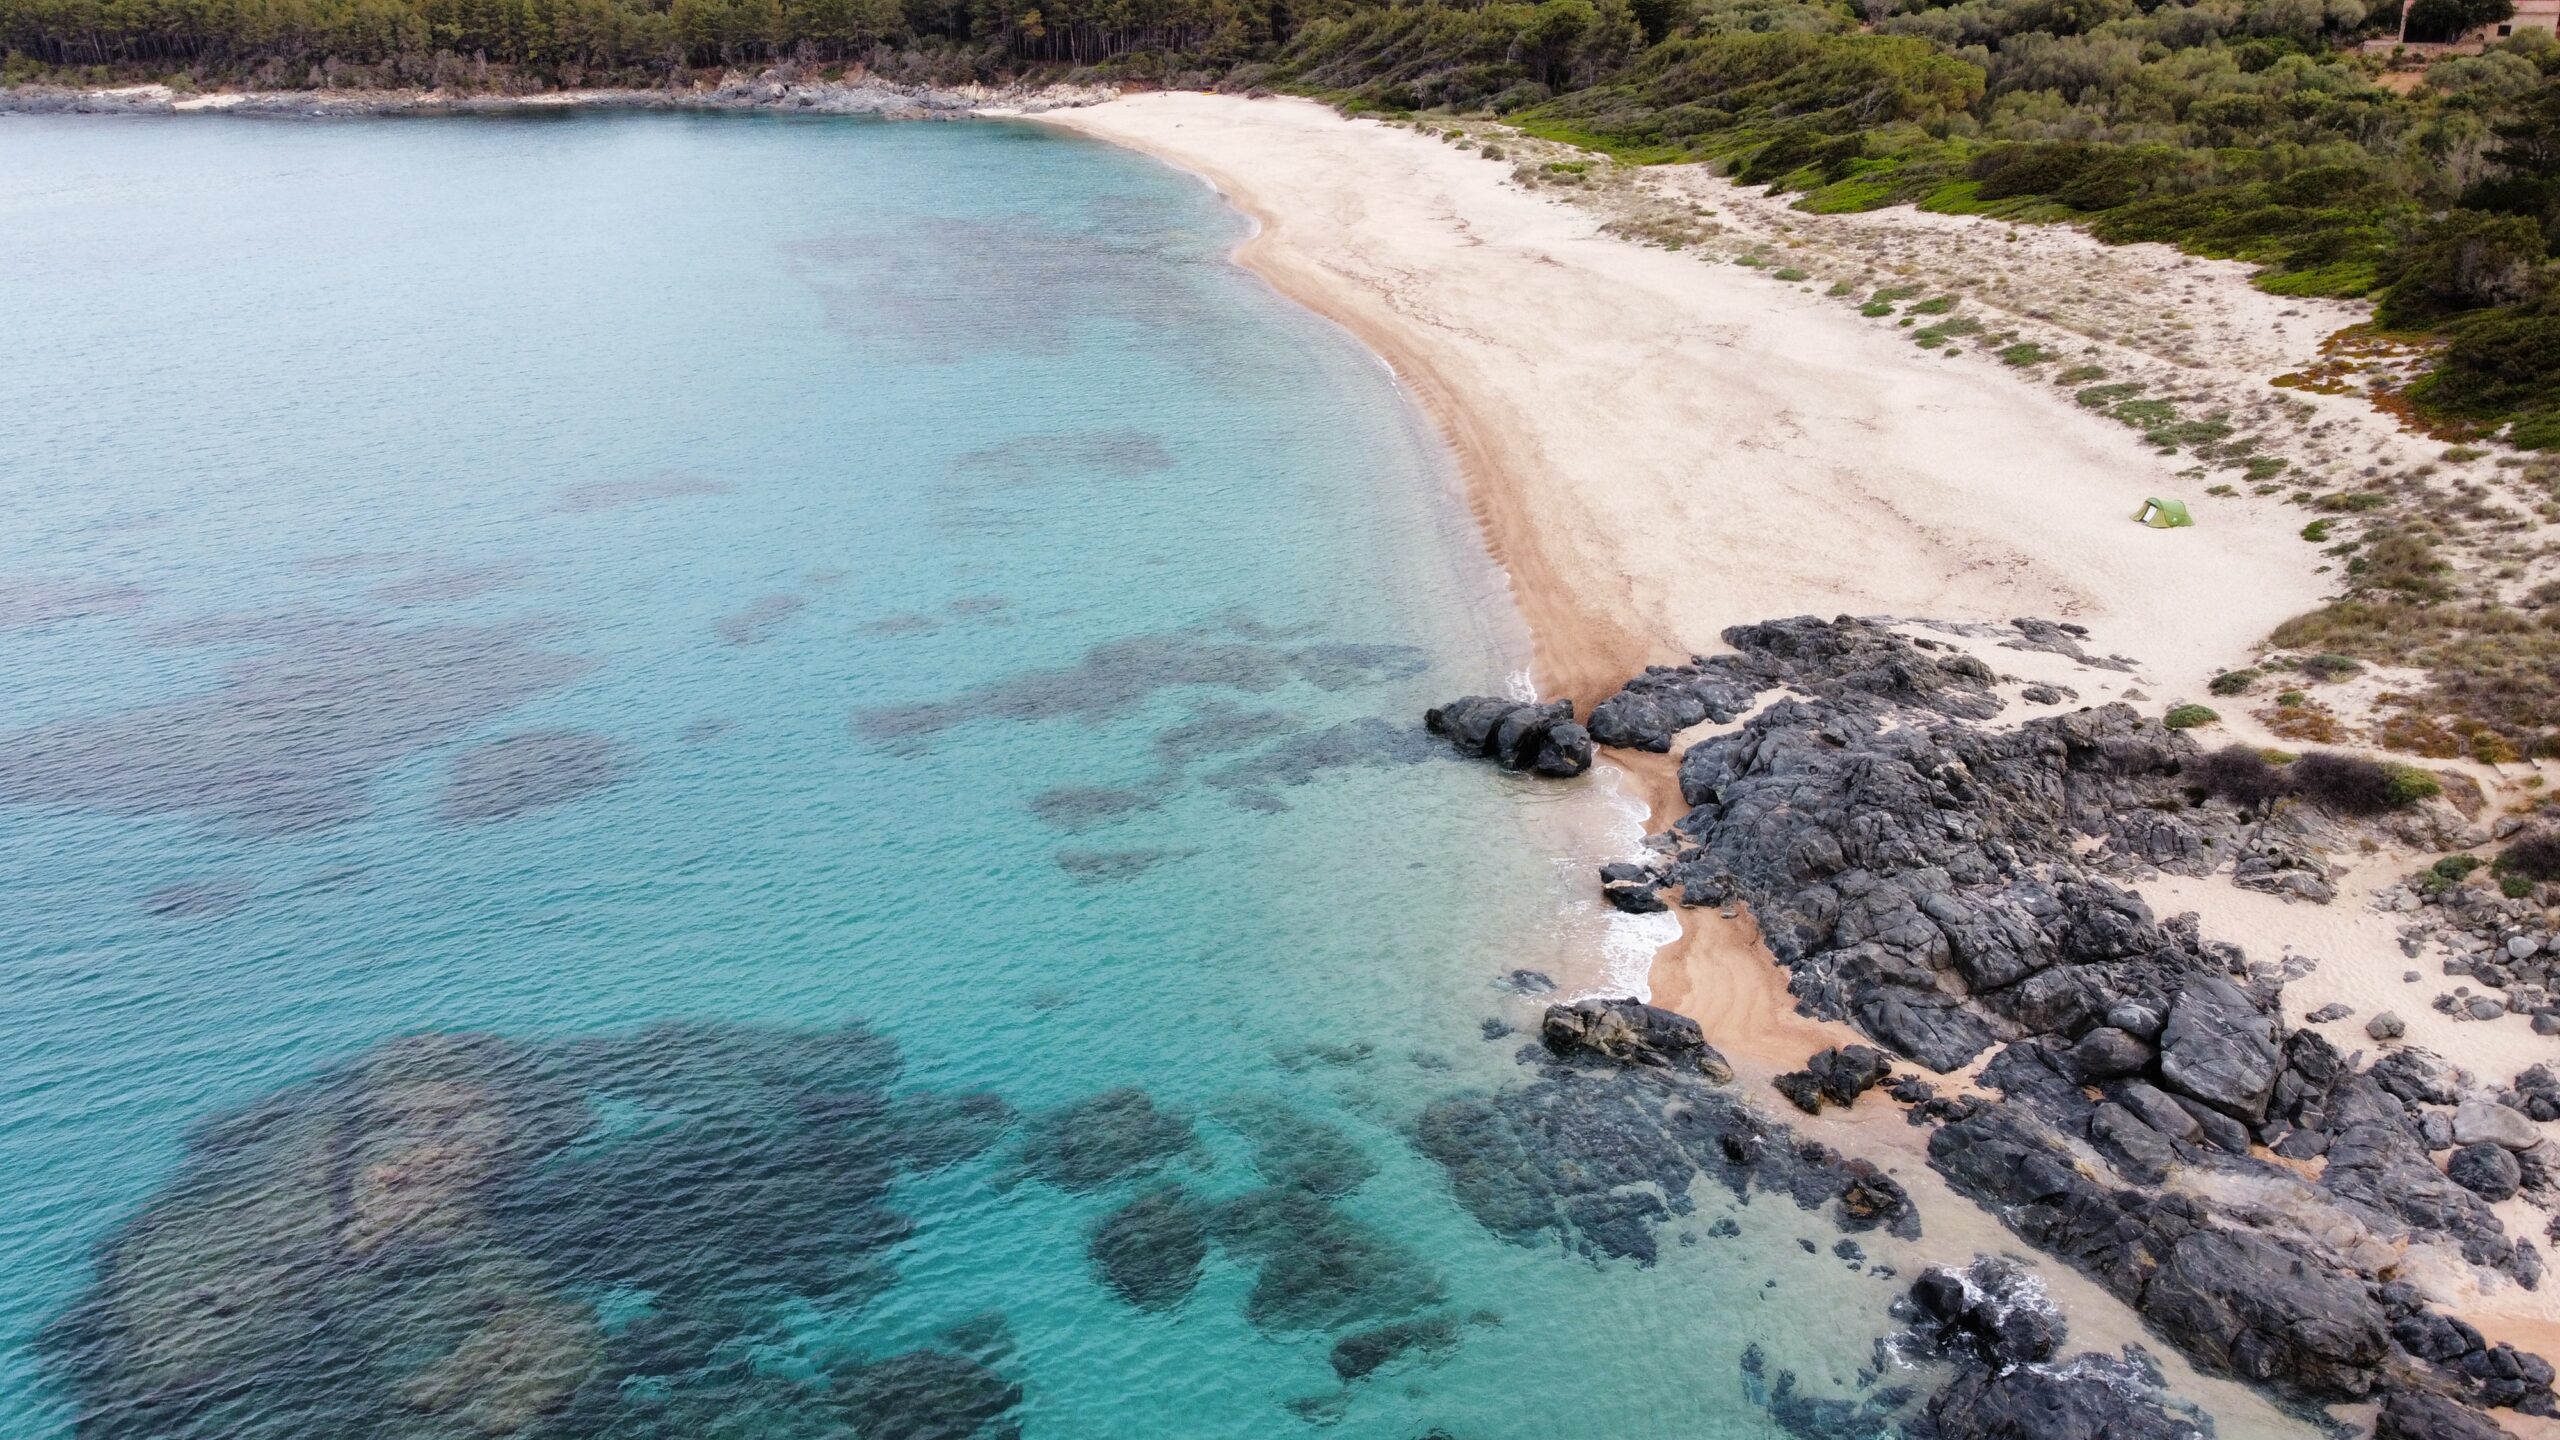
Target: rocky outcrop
1515,734
1630,1032
1838,1075
2002,1335
1952,888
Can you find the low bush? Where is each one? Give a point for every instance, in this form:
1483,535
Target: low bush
2188,717
2233,682
2348,784
2533,855
2240,775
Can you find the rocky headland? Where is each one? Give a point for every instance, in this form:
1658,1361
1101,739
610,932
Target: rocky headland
1961,891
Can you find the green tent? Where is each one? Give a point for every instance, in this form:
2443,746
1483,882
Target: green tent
2163,514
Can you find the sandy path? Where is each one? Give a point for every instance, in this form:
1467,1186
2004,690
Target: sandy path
1659,448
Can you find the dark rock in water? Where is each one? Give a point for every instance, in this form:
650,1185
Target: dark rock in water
1091,1143
1515,734
1362,1353
1997,1327
2487,1170
1618,1224
2217,1048
1565,751
1535,1163
2418,1415
928,1395
1320,1269
1631,888
1992,1312
1529,982
1494,1027
1630,1032
1870,1198
2094,1398
1151,1249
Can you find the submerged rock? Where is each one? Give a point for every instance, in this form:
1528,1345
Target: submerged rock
1151,1249
928,1395
1093,1142
410,1243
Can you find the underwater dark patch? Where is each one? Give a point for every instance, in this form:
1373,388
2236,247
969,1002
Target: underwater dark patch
1098,867
448,584
204,899
1121,454
1118,676
1301,759
939,287
413,1243
533,771
614,494
1150,1250
1318,1267
1090,1144
1074,808
28,601
760,621
292,739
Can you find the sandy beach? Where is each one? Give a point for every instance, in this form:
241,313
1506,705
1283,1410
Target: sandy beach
1658,448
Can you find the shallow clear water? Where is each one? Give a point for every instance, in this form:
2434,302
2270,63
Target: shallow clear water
555,579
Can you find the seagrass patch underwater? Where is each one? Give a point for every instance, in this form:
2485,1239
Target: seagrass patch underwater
734,777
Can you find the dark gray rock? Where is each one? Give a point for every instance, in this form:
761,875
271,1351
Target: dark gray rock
2107,1053
2487,1170
1515,734
2266,1313
1630,1032
2386,1026
2419,1415
2218,1049
1631,888
2139,1153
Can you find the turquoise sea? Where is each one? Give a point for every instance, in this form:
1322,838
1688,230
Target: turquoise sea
720,776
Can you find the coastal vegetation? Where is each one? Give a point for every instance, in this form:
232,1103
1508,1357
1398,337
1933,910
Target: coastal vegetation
2257,130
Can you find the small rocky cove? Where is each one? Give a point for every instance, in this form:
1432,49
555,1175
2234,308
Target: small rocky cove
2121,1092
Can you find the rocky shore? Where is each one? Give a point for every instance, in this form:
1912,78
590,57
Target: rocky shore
776,91
1960,891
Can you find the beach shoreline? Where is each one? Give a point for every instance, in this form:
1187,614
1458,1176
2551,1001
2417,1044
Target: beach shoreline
1832,487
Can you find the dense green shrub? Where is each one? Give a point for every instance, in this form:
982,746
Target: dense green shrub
2188,717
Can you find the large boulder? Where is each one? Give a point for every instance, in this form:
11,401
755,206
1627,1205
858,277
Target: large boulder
2481,1121
1629,1032
1515,734
2218,1049
2262,1312
2419,1415
2486,1169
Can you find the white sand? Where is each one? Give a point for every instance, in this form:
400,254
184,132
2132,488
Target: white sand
1662,448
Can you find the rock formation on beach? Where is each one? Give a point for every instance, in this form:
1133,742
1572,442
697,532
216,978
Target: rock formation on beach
1952,887
1515,734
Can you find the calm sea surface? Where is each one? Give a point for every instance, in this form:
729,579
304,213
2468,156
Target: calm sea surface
726,777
